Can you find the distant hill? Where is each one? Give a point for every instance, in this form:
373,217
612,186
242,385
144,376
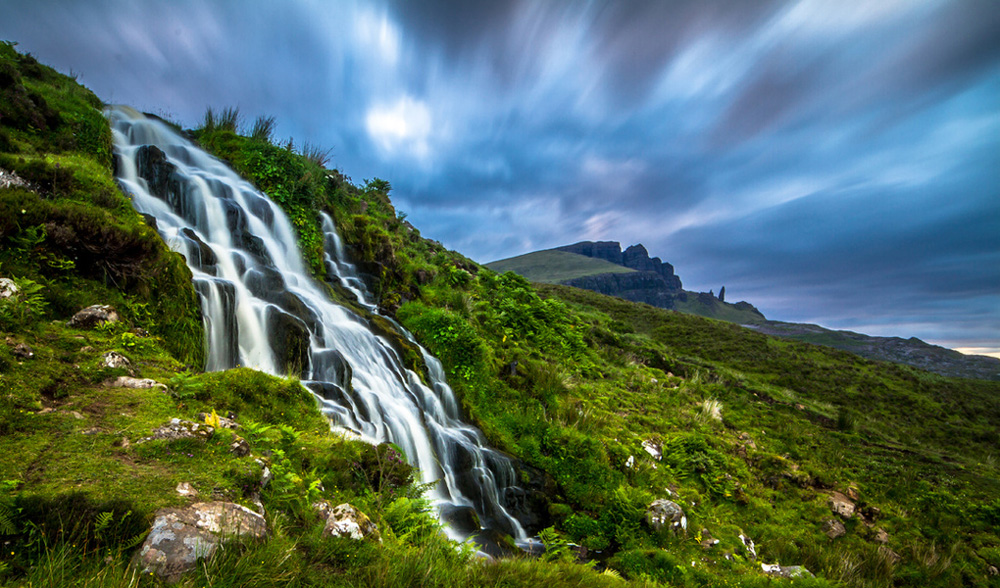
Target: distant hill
555,267
603,267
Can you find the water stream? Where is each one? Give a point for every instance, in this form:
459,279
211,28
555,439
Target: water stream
262,309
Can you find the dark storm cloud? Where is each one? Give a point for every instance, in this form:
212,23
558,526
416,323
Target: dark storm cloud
830,160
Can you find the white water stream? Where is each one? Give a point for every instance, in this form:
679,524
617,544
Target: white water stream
263,310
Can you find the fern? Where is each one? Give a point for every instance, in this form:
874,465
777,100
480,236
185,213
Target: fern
7,526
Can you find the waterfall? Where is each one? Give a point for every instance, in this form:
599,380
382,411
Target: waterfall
262,309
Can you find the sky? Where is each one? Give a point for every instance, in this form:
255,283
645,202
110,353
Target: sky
830,161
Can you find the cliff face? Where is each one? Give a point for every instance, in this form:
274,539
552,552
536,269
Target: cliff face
635,257
640,286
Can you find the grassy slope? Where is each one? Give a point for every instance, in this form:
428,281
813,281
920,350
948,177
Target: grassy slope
553,267
595,378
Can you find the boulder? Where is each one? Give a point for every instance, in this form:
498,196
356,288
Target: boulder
663,513
841,505
786,571
182,536
23,351
239,447
134,383
653,449
8,289
347,521
115,360
90,317
881,536
181,429
834,528
186,489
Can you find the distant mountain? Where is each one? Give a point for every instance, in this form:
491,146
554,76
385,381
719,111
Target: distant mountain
603,267
912,351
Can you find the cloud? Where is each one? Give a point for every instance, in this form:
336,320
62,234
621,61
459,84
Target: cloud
402,127
833,160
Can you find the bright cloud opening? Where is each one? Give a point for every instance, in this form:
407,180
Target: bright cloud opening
402,128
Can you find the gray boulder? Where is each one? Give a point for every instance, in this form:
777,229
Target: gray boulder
665,513
90,317
113,359
182,536
786,571
347,521
834,528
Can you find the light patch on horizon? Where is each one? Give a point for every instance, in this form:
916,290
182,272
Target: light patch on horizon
401,128
987,351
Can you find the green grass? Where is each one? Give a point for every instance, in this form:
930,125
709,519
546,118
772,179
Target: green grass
554,267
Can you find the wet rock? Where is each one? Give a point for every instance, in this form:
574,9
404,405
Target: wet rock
90,317
834,528
289,339
182,536
786,571
347,521
23,351
462,519
841,505
663,513
181,429
495,543
135,383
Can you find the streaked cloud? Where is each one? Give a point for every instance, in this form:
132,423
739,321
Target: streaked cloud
833,161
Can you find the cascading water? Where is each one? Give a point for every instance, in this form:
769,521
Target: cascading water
262,309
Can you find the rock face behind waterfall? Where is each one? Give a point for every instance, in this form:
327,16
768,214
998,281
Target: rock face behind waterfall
263,309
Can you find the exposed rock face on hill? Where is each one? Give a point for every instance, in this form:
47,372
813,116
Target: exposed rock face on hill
653,282
635,257
647,287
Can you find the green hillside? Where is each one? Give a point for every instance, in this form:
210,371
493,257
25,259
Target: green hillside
553,267
606,405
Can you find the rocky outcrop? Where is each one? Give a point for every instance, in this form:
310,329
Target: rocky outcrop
647,287
606,250
182,536
635,257
665,514
785,571
90,317
347,521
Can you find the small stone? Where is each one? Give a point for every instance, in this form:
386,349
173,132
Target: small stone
751,550
630,462
186,489
890,555
87,349
8,288
786,571
91,431
22,351
347,521
653,449
239,447
881,536
115,360
841,505
136,383
181,429
76,415
834,529
994,571
90,317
